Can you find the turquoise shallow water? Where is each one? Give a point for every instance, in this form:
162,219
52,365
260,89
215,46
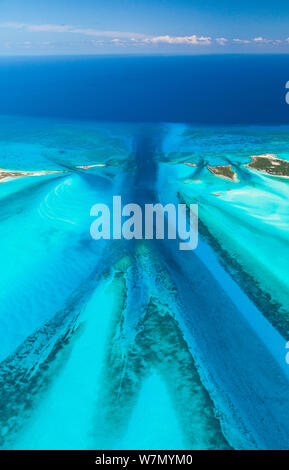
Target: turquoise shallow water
122,345
248,219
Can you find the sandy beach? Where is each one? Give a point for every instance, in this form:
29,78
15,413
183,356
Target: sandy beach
7,175
270,164
224,171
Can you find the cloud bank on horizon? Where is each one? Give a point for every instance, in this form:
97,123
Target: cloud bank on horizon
97,39
143,26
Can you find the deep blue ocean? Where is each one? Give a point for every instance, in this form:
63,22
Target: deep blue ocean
231,89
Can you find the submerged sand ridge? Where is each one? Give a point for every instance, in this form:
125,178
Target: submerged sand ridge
265,163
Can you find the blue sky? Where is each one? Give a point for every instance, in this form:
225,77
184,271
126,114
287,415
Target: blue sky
143,26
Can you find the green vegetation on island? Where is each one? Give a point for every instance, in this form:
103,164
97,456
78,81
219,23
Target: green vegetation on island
224,171
269,164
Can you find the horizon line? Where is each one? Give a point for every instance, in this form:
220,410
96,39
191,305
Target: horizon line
145,54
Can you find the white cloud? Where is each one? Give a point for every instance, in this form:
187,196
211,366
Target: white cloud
97,42
27,44
222,41
191,40
58,28
125,38
118,42
51,28
241,41
261,40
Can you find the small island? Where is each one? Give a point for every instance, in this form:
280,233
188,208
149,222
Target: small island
270,164
224,171
7,175
190,164
86,167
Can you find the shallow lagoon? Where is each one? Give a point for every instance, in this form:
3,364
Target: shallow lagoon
114,344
